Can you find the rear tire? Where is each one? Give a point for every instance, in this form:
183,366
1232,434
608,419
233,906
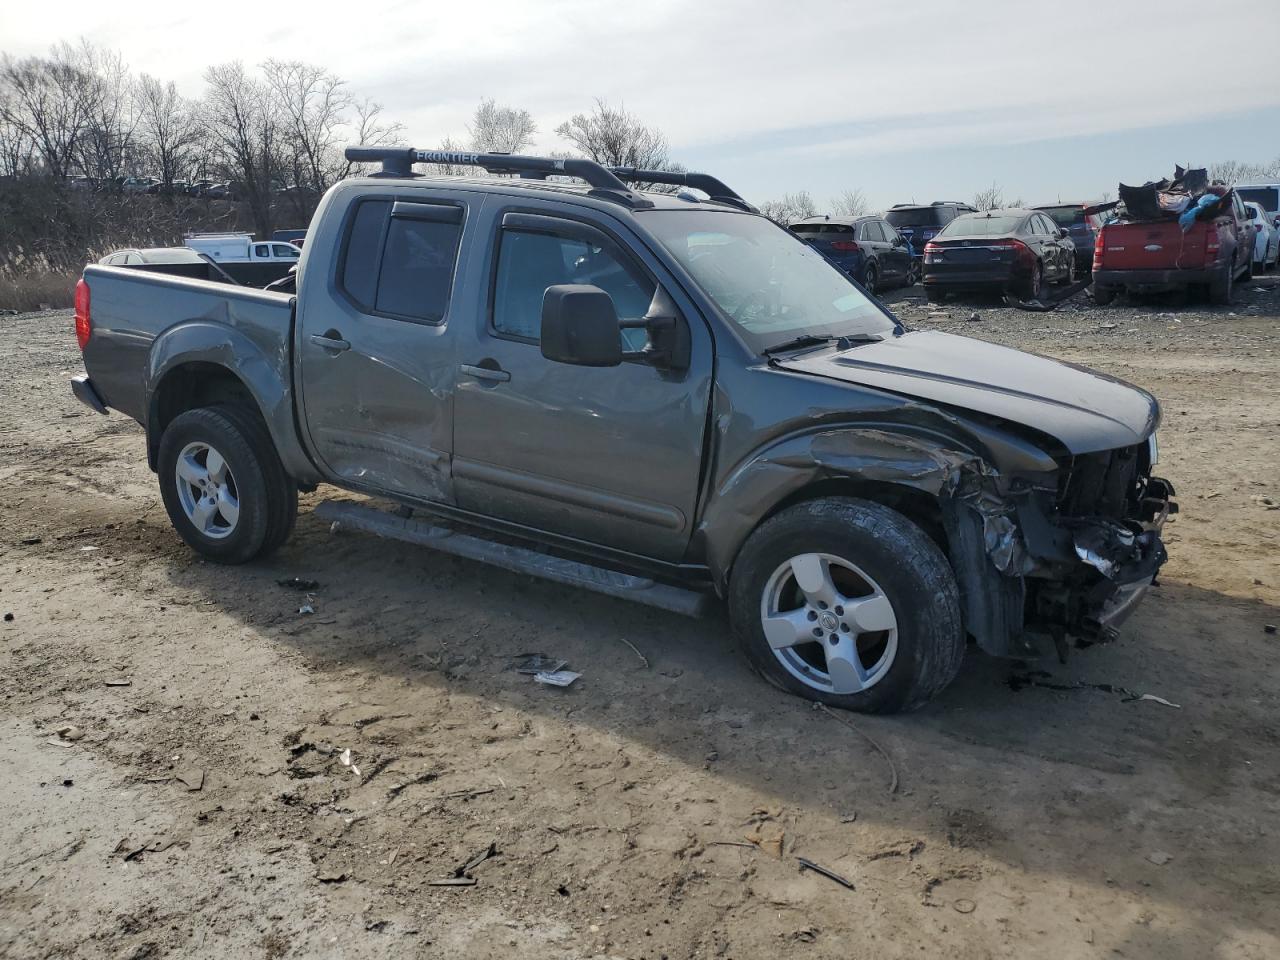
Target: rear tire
870,278
846,569
1222,285
934,295
1103,295
231,500
1035,286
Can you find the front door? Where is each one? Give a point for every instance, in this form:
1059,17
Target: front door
376,361
611,455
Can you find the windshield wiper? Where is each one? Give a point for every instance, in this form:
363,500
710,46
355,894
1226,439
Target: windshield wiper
813,340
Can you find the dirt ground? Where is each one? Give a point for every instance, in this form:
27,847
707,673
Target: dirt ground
199,805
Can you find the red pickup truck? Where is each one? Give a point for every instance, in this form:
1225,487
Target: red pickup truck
1156,255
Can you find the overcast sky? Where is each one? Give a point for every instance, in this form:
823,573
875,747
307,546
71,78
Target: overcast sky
903,99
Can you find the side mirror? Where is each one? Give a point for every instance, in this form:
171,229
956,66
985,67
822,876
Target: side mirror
1061,233
580,326
899,240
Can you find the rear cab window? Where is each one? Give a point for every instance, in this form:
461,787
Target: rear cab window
399,258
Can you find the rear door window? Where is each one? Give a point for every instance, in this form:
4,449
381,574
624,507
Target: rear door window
399,259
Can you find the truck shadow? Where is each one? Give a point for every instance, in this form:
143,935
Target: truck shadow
1004,765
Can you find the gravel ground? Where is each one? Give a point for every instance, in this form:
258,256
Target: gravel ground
176,732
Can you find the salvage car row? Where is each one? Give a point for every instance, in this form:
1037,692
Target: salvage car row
1179,234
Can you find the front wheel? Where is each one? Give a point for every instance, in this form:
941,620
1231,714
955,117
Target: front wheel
849,603
223,485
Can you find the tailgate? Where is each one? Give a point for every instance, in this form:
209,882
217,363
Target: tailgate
1154,246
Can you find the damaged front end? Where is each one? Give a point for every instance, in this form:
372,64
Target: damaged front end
1096,546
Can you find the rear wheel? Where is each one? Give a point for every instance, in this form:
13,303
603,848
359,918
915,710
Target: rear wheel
1035,287
223,486
1220,288
870,278
1103,295
914,272
849,603
934,295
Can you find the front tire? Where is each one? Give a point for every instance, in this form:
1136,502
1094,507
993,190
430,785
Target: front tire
223,485
849,603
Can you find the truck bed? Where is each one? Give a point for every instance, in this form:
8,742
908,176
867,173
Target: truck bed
132,309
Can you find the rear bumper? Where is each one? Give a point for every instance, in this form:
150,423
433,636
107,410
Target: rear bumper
83,389
1155,281
995,277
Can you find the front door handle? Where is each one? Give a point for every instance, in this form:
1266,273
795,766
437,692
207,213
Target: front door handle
335,342
496,374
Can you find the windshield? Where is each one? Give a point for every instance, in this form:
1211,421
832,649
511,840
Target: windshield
771,285
981,226
916,217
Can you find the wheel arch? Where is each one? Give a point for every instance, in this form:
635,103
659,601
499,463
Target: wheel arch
203,363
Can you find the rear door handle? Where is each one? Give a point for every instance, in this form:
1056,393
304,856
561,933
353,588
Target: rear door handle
330,343
497,375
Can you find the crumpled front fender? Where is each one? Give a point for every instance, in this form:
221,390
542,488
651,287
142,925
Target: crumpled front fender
871,455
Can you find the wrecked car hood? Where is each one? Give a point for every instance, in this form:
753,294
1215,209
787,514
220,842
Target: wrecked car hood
1085,410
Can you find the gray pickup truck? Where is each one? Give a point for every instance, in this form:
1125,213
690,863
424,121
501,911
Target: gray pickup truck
657,395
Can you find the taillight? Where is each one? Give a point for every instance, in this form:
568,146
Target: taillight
84,326
1020,250
1212,244
932,252
1097,252
845,246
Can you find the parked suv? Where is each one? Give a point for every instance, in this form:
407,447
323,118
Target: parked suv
920,223
653,396
867,248
1081,227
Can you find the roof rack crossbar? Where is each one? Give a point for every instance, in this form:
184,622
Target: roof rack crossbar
713,187
399,161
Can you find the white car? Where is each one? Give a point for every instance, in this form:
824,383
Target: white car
1266,243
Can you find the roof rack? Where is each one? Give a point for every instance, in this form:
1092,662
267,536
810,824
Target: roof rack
606,182
713,187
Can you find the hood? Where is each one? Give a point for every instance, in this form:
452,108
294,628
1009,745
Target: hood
1085,410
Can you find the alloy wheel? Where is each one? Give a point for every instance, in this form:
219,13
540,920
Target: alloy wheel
829,624
207,490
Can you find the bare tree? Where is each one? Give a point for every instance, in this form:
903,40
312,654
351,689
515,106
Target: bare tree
616,138
313,105
370,130
990,198
167,126
851,203
105,147
46,102
496,129
792,207
246,136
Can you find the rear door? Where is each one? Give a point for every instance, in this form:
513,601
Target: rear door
377,365
611,455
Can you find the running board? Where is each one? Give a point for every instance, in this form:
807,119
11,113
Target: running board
347,515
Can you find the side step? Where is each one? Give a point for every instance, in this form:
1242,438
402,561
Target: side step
356,516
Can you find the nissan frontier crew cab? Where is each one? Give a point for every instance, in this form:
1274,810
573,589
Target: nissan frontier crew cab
660,396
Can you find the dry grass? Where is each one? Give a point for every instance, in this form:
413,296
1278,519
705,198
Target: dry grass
36,283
